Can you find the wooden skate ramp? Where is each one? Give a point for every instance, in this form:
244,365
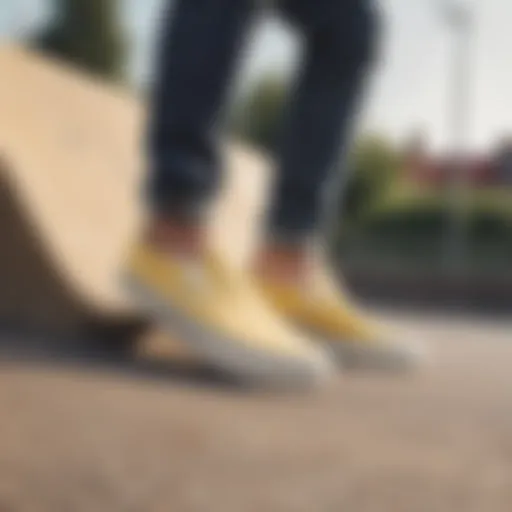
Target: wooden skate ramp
70,196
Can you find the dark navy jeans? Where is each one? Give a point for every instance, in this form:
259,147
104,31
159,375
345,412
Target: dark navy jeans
198,55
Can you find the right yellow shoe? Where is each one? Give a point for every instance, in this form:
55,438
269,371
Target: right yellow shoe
218,312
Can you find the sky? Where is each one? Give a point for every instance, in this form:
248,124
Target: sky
411,88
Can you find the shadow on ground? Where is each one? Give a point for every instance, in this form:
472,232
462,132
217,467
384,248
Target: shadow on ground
105,355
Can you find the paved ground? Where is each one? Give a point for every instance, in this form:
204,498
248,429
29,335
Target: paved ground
149,439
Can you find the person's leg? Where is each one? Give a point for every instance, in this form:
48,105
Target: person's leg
340,37
200,44
339,47
172,272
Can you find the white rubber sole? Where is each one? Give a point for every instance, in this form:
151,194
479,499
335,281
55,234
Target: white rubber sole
247,365
398,359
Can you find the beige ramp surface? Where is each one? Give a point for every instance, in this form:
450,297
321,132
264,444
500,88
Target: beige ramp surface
70,194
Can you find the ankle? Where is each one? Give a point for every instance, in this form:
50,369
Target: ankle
289,264
176,236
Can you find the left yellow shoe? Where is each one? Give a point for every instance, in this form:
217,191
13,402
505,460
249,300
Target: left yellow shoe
217,311
355,339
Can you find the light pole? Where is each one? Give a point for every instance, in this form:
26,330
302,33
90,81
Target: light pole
459,16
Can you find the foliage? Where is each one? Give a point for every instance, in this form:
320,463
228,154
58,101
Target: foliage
416,229
86,33
258,116
373,168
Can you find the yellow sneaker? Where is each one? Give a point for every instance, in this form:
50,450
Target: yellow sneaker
219,313
356,340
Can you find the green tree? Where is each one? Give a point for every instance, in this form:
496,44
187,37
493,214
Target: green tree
257,118
373,167
87,34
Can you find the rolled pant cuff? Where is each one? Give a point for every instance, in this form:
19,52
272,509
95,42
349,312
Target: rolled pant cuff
183,211
288,238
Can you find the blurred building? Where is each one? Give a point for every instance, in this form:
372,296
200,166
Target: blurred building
491,170
503,162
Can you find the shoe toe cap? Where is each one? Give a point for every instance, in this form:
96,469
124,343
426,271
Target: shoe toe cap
309,370
398,353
